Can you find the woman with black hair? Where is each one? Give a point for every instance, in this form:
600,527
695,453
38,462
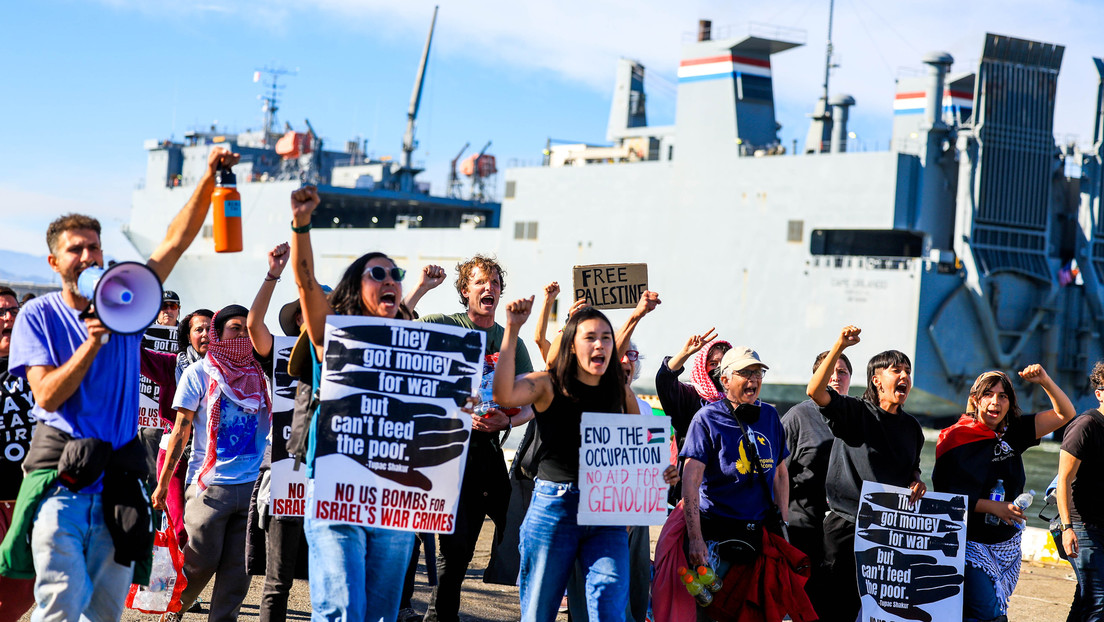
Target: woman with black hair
985,445
355,572
584,377
876,440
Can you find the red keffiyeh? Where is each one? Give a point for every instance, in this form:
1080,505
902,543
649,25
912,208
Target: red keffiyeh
966,430
233,373
699,378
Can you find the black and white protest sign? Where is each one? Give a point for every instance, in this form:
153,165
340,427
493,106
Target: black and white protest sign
159,339
392,439
288,489
909,557
17,419
621,464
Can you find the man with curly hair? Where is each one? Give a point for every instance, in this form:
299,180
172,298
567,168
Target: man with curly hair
485,490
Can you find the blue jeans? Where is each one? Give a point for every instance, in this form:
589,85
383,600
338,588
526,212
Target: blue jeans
979,596
356,573
1088,565
551,541
77,577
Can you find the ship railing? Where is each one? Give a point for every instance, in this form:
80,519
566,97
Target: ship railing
762,30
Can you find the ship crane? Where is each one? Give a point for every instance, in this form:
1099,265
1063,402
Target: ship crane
479,167
406,170
454,184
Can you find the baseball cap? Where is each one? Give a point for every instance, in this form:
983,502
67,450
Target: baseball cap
170,296
741,357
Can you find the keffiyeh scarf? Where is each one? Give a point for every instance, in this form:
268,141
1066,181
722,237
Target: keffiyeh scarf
232,373
699,377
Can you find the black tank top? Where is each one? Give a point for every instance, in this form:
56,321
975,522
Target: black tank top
558,427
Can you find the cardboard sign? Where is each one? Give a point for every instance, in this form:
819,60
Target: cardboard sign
611,286
909,558
391,439
621,464
288,488
159,339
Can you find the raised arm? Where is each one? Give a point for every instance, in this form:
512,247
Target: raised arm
431,276
1061,408
187,223
254,322
818,384
540,335
510,391
693,344
312,299
649,300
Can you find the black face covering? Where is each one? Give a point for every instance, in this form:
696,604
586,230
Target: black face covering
747,413
715,376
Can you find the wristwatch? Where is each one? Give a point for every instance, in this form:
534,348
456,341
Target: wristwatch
1066,526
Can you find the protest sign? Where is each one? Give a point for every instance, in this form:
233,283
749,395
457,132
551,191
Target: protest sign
611,286
159,339
909,557
392,440
17,418
288,487
621,464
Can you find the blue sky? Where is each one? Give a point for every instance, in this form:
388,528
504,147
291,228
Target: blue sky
87,81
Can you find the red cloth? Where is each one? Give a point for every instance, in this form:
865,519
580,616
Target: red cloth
966,430
767,590
670,600
242,380
699,378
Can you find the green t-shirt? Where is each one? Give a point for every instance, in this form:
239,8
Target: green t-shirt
495,335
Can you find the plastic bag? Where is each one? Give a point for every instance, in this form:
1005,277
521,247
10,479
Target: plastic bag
167,580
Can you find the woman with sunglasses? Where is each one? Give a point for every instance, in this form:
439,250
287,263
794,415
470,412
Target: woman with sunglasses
355,572
983,447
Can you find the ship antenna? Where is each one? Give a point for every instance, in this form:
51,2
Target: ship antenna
272,98
828,59
407,172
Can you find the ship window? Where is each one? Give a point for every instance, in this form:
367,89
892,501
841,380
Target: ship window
519,231
525,230
794,229
865,242
756,87
531,234
511,186
208,231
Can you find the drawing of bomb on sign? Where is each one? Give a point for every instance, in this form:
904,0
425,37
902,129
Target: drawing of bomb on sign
392,439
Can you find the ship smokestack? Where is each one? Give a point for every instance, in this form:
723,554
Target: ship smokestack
705,30
840,105
933,109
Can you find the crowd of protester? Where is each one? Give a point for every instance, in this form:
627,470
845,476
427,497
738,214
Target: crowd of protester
753,492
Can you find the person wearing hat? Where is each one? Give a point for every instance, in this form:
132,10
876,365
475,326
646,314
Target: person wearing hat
724,495
170,308
225,397
876,441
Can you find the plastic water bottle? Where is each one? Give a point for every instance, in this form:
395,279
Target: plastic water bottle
697,590
1023,502
709,579
996,494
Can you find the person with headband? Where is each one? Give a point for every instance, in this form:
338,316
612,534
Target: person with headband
983,447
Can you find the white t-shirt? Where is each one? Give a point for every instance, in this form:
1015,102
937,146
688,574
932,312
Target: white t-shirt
242,436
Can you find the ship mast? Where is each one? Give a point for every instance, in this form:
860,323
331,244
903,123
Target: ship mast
828,58
406,172
272,98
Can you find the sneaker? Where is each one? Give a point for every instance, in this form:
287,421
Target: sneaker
407,614
563,605
171,617
197,606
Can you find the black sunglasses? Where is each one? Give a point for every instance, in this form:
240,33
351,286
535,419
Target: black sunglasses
380,273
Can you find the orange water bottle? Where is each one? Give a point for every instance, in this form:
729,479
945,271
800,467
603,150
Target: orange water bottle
226,205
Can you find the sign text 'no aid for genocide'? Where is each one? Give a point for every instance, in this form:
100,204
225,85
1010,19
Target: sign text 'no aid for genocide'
392,439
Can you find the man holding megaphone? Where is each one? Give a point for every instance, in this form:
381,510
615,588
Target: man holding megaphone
83,490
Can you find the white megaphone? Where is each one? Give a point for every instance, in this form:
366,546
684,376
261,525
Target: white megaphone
126,297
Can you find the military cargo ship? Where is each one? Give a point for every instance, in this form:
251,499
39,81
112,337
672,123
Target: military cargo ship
964,245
